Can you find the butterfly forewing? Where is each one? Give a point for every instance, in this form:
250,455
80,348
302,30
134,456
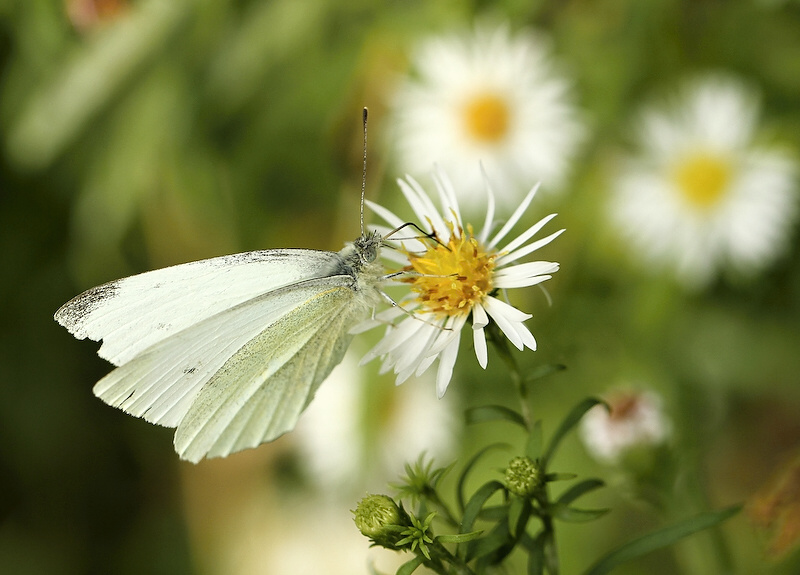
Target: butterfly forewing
134,313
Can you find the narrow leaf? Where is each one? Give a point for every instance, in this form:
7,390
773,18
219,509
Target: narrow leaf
551,563
661,538
570,421
535,549
572,515
560,476
543,371
518,513
409,567
577,490
493,413
459,537
494,513
473,507
497,538
468,467
533,449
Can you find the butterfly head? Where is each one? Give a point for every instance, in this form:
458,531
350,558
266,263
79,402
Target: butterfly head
366,247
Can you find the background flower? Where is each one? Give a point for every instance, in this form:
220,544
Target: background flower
633,419
488,97
703,195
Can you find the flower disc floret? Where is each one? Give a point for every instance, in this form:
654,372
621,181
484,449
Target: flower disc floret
450,278
523,476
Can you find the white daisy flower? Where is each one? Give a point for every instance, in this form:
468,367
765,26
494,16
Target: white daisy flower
702,196
488,97
636,419
453,276
343,451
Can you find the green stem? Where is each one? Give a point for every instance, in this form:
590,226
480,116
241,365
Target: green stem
522,393
442,557
550,549
442,509
501,344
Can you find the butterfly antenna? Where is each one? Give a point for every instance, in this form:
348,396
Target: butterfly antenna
364,170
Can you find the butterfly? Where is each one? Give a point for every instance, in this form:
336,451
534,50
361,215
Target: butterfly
228,350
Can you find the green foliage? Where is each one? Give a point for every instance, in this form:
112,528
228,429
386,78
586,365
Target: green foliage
522,520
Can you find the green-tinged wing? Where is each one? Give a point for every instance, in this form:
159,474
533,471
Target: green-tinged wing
261,390
162,382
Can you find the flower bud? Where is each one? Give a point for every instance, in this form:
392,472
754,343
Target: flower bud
380,519
523,476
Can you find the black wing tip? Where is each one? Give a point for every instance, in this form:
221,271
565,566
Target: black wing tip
72,313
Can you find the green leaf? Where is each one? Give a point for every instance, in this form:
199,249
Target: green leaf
493,413
661,538
473,507
519,510
535,548
468,467
572,515
560,476
459,537
497,538
551,562
533,449
410,566
577,490
570,421
494,513
543,371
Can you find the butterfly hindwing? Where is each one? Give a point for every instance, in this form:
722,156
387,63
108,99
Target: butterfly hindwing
263,388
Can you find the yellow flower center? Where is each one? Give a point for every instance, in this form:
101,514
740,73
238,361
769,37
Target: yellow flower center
703,178
450,278
486,117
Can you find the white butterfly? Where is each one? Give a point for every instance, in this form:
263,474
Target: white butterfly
228,350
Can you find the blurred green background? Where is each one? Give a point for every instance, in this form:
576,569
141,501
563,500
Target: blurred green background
148,133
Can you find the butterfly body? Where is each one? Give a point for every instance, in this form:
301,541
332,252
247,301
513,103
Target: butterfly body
229,350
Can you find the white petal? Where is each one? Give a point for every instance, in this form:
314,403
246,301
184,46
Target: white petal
514,217
513,256
479,340
510,283
431,214
528,269
506,318
526,335
447,194
387,215
416,201
479,317
451,329
490,203
527,234
447,361
495,306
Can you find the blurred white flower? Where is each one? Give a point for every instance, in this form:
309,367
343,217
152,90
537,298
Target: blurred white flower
702,196
491,98
454,274
346,451
636,419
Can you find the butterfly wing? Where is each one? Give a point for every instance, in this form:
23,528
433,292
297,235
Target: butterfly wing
161,383
134,313
260,392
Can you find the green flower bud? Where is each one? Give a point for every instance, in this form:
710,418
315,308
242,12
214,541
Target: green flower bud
523,476
380,519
